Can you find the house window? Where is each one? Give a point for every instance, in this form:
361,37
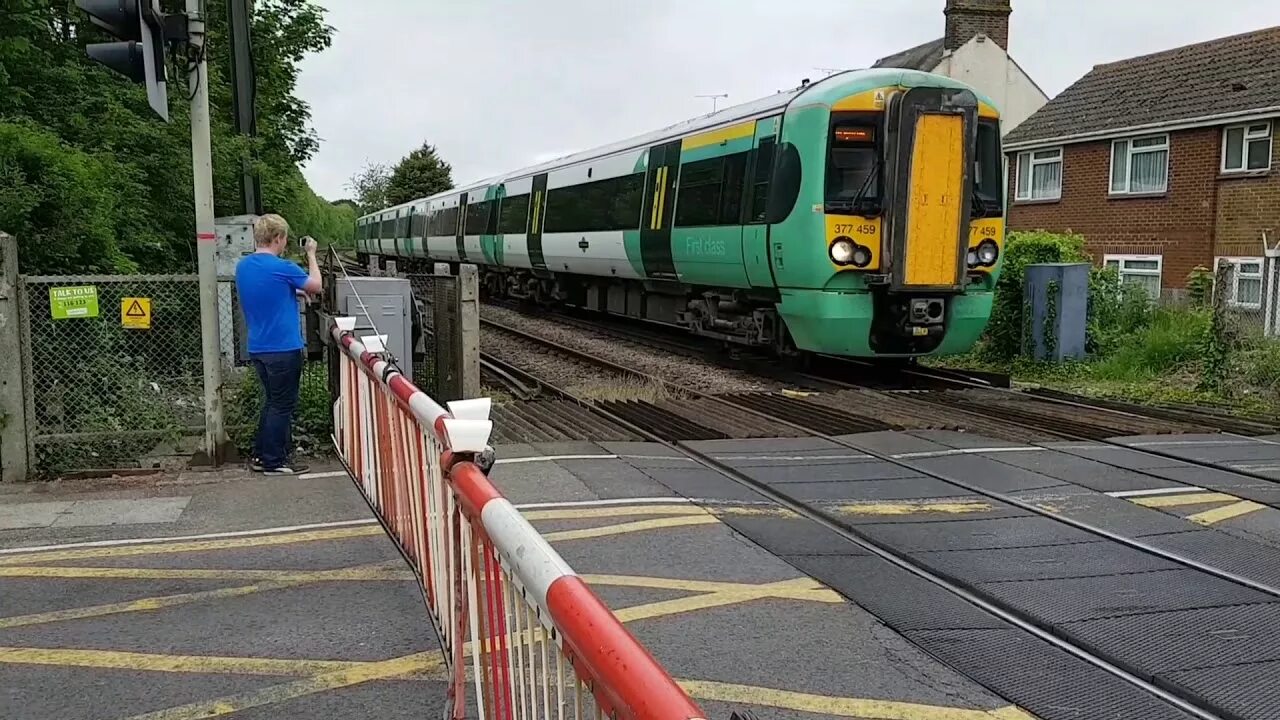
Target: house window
1040,175
1246,281
1140,270
1246,148
1140,165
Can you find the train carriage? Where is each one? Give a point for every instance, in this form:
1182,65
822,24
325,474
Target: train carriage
861,215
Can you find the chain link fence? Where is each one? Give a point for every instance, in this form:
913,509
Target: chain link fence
112,368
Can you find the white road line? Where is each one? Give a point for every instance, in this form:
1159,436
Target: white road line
553,458
320,475
178,538
1205,443
964,451
1157,491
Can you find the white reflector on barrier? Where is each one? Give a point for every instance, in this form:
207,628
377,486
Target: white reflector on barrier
476,409
374,343
467,435
345,324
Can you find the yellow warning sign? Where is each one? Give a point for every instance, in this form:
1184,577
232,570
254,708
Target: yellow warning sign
135,313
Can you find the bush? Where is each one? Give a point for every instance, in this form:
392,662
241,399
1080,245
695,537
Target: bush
312,421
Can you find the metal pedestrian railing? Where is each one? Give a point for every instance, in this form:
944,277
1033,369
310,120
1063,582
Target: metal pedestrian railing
523,636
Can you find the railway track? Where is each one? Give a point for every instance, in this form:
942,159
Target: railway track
660,425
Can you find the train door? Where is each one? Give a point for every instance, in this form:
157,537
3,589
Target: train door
756,251
537,216
659,207
460,228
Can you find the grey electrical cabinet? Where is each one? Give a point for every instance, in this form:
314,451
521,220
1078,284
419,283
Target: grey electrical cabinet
381,306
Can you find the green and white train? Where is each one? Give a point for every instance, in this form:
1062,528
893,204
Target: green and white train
861,215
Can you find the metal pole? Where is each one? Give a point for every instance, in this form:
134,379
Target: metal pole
13,406
215,436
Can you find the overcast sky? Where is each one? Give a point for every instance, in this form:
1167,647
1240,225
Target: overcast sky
499,84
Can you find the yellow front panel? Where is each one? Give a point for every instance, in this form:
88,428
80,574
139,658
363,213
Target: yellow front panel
937,187
987,229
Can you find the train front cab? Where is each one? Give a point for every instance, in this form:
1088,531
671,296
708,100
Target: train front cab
911,243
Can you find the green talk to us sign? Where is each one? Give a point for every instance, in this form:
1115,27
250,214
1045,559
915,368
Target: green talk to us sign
73,302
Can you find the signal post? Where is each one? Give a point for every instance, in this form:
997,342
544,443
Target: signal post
143,34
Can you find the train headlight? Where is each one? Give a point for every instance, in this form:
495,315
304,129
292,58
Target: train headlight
988,251
861,256
971,258
842,251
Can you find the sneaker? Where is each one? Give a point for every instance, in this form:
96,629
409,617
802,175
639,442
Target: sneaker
256,465
291,469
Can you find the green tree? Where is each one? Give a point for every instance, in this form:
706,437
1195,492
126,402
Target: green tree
370,187
419,174
90,180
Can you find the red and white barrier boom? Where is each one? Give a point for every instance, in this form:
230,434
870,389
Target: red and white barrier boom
533,637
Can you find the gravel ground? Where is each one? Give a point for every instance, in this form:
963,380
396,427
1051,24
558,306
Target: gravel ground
578,377
681,371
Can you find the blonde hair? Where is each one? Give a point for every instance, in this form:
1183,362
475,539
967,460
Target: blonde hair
269,227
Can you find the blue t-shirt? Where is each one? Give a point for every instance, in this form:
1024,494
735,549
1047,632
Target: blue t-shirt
267,287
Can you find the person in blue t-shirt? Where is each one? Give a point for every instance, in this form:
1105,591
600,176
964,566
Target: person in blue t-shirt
268,287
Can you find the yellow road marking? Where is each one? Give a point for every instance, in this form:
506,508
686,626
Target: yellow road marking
630,527
331,680
840,706
141,605
1164,501
193,546
118,660
611,512
1226,512
801,589
130,573
797,589
911,508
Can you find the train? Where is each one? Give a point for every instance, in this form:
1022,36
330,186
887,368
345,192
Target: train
861,215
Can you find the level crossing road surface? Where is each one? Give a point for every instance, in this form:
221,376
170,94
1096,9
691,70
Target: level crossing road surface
229,594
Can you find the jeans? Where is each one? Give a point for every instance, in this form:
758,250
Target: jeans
280,374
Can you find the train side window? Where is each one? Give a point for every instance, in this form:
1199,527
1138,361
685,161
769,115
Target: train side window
760,179
627,201
698,200
513,215
388,227
402,225
477,217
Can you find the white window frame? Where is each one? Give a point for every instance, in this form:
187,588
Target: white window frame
1157,273
1246,139
1236,261
1128,161
1032,162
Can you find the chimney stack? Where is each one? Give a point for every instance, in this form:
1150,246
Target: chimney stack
966,18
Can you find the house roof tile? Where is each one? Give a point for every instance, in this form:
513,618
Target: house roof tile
1234,74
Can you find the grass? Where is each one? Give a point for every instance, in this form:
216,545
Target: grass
623,388
1161,362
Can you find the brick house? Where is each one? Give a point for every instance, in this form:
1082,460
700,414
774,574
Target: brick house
1163,162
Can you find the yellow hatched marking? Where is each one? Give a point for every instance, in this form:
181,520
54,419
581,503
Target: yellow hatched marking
1227,512
800,589
129,573
723,135
630,527
191,546
914,508
309,686
840,706
117,660
1164,501
142,605
660,510
797,589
